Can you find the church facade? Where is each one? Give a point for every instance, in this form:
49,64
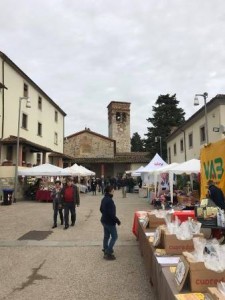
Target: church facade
107,156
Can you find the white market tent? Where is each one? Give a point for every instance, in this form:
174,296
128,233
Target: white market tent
87,172
137,172
43,170
164,169
146,173
156,163
76,170
188,167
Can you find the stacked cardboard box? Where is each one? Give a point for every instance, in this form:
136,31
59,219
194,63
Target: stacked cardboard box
173,245
154,221
215,294
201,278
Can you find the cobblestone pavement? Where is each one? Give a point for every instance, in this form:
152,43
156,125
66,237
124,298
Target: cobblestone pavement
37,261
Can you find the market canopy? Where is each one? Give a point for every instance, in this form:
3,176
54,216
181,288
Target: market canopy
157,173
189,167
86,171
76,170
165,169
43,170
137,172
156,163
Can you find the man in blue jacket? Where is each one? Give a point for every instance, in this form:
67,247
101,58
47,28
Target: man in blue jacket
109,221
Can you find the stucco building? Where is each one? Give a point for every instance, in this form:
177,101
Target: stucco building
185,142
40,124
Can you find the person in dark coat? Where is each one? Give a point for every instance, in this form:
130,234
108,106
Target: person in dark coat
109,221
216,194
57,203
93,186
70,199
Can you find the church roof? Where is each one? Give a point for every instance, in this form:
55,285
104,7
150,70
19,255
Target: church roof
126,157
89,131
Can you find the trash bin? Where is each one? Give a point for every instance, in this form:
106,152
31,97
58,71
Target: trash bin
7,196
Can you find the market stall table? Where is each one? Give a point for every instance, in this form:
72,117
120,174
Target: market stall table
82,188
43,195
137,214
153,267
159,274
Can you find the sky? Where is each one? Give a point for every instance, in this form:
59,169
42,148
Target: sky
86,53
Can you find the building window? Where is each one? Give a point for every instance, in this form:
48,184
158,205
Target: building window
39,103
169,153
25,90
202,134
24,121
181,145
121,117
190,140
175,149
39,129
38,158
56,116
56,138
118,117
9,153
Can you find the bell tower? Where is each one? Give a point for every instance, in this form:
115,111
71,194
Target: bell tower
119,125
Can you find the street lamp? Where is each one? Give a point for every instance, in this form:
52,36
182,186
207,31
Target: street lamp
28,105
160,144
196,102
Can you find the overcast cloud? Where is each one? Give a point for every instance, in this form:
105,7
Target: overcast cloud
86,53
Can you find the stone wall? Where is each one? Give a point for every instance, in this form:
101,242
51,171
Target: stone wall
88,144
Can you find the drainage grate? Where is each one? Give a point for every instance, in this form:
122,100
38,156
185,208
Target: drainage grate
35,235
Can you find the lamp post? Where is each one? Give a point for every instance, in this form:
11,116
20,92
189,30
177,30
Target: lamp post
28,105
196,102
160,143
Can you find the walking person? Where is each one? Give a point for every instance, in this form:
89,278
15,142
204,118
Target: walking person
93,186
124,186
57,203
109,221
102,184
70,198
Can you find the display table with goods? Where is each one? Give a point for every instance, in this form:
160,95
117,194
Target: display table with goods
43,195
82,188
211,217
158,266
179,197
186,275
137,215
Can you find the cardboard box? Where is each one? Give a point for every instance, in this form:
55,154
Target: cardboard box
201,278
174,246
154,222
215,294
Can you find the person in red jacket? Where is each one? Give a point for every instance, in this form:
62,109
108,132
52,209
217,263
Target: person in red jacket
70,198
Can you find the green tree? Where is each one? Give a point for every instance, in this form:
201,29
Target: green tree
166,116
137,144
